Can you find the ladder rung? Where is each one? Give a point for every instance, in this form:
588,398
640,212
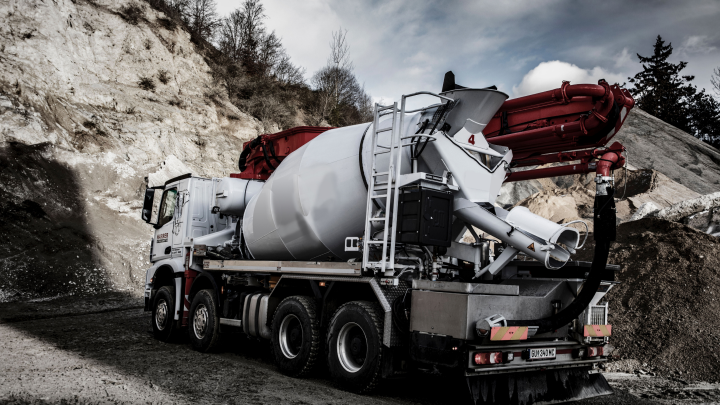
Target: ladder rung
381,174
383,130
377,219
382,152
382,146
380,196
375,242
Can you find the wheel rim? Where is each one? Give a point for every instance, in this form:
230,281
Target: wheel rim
291,336
161,314
352,347
200,321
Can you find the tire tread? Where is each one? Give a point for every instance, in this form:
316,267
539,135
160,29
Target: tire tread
375,312
309,306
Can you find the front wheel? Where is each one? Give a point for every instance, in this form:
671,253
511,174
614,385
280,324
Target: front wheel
354,346
204,321
163,308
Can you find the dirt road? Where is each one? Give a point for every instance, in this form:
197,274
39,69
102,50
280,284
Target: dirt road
99,350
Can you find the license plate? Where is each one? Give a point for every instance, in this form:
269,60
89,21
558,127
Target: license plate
542,354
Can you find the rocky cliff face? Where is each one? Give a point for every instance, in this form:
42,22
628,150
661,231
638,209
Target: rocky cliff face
82,130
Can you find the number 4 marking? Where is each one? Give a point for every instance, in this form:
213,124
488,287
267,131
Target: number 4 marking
471,140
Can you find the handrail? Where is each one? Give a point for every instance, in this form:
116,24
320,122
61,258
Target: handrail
428,93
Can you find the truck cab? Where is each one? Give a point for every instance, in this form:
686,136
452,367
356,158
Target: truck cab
180,212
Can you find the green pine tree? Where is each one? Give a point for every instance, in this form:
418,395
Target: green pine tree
659,89
705,118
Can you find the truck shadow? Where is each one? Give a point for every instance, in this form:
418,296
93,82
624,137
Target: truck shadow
46,246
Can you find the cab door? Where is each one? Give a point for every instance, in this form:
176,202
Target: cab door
162,244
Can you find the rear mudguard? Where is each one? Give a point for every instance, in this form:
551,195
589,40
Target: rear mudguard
538,387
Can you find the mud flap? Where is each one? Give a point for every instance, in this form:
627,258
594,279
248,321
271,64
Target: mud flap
538,387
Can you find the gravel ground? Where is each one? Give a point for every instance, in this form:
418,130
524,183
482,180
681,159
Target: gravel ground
98,350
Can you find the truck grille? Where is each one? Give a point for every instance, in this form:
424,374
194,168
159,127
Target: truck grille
598,315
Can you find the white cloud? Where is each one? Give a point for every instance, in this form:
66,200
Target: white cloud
549,75
697,44
624,59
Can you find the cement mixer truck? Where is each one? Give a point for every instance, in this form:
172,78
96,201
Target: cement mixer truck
344,248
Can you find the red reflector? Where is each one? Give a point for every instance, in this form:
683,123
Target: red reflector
595,351
488,358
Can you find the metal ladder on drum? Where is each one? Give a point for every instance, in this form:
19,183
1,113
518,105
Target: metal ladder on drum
386,264
386,245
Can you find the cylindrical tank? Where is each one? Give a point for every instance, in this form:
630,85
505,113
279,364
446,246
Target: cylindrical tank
311,202
232,195
317,195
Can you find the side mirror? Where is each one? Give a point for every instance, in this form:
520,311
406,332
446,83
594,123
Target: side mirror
149,212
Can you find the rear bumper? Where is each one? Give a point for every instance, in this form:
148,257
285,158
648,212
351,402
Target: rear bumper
566,357
534,366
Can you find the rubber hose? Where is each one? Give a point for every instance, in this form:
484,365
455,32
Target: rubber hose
604,224
572,311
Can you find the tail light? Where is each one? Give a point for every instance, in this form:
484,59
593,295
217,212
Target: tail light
482,359
593,351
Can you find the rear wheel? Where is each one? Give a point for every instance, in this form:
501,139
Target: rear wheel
296,336
204,321
354,346
163,308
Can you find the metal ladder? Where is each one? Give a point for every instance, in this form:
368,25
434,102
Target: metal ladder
376,184
386,264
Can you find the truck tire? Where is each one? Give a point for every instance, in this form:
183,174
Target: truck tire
354,346
296,336
204,322
163,322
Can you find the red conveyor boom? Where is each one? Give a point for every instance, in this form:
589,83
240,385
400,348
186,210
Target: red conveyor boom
571,123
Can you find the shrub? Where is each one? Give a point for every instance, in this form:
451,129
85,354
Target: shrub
167,23
89,124
132,13
176,102
147,44
163,76
147,83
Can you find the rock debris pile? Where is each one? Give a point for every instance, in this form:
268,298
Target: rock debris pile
665,310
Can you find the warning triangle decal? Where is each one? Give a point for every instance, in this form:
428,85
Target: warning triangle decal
532,247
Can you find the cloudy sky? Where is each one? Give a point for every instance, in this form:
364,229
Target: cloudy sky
522,46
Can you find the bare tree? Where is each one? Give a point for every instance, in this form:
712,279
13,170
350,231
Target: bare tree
342,100
715,80
286,72
340,59
180,6
230,35
243,38
201,17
